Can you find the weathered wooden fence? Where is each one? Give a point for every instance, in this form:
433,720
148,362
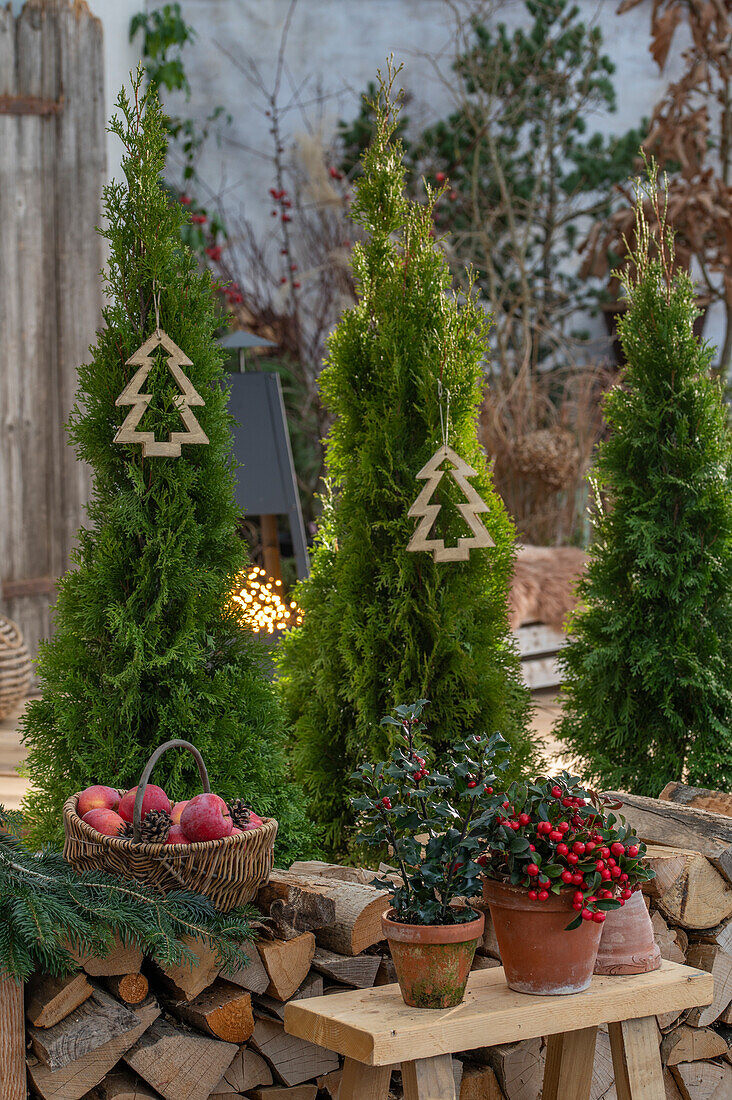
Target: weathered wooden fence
52,153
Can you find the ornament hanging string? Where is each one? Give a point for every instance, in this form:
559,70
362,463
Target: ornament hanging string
444,418
156,303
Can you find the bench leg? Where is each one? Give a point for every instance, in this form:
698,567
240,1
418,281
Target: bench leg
429,1079
362,1082
637,1059
568,1069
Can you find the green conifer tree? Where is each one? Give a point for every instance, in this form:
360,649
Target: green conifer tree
648,692
383,625
146,646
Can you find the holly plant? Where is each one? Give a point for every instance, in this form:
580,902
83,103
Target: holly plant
432,824
554,835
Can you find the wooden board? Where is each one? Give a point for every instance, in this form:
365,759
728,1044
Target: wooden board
96,1022
376,1027
292,1060
661,822
429,1079
180,1065
48,999
73,1081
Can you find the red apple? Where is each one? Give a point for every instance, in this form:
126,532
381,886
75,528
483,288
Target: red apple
206,817
97,798
106,822
154,798
253,823
177,810
177,836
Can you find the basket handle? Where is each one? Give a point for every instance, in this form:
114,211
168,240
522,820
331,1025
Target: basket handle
145,778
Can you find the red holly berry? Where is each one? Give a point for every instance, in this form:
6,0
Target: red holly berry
615,872
605,875
556,792
605,853
563,826
567,802
578,905
386,803
578,847
472,783
532,847
578,879
533,895
283,279
524,819
572,859
543,895
623,878
567,876
296,285
556,834
598,918
506,805
452,196
488,790
600,865
586,914
562,850
590,847
532,869
198,219
625,894
286,218
617,848
514,825
633,851
293,267
578,895
185,200
440,177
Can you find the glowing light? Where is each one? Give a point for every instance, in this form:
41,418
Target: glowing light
259,604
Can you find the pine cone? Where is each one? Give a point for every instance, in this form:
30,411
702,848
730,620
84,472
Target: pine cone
126,830
239,812
155,827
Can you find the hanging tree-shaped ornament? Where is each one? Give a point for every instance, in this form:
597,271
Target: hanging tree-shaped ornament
427,512
176,360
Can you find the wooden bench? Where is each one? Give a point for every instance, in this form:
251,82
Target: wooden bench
376,1032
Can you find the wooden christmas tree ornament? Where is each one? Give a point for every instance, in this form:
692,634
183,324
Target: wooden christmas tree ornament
143,359
427,513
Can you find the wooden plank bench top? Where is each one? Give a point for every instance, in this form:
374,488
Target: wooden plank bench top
376,1031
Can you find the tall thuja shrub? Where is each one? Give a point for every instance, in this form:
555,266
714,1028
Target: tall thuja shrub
146,647
382,624
648,694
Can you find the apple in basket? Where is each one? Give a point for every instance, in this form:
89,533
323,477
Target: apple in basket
177,836
177,810
97,797
106,822
154,798
206,817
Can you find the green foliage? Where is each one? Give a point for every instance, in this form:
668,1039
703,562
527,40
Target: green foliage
146,645
649,684
46,908
430,823
555,836
381,623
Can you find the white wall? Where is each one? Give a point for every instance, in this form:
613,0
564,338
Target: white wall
335,47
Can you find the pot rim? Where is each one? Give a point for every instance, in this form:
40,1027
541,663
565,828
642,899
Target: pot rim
515,897
433,933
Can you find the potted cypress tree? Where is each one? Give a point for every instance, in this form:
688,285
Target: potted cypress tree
431,824
557,860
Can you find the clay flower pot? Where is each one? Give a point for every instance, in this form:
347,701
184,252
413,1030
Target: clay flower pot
432,961
627,945
538,955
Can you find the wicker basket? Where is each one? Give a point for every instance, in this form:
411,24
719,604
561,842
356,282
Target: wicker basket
228,871
16,667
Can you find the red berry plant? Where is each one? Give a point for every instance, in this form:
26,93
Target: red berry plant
431,824
553,835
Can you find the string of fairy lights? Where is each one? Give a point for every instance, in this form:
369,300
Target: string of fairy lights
260,602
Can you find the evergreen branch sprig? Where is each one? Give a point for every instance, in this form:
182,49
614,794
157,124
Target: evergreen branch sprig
49,912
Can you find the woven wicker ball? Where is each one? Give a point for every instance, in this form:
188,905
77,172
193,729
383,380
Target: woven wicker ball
16,667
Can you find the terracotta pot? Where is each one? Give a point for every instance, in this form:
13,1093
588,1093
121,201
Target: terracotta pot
432,961
538,954
627,945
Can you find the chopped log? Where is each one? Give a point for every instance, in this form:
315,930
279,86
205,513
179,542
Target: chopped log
489,943
330,1083
49,999
703,1080
74,1081
672,942
180,1065
296,904
519,1067
96,1021
603,1071
271,1008
670,1087
121,1085
130,988
726,1016
386,974
247,1071
457,1073
316,868
359,972
721,935
119,960
691,1044
253,976
659,822
667,1020
287,963
223,1011
687,889
186,981
293,1060
357,921
12,1040
479,1083
277,1092
706,956
717,802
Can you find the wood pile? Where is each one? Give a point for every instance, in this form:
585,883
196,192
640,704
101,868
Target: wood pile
123,1029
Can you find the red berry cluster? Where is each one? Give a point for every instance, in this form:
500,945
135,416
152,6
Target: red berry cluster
284,203
552,836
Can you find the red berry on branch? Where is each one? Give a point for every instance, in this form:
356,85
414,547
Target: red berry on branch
623,877
562,850
452,196
563,826
578,905
556,834
440,177
198,219
633,851
472,783
185,200
532,848
386,803
586,914
532,869
617,848
578,896
543,895
524,819
572,858
556,792
567,802
625,894
283,280
286,218
567,876
578,879
600,865
578,847
605,853
488,790
533,895
605,875
598,918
